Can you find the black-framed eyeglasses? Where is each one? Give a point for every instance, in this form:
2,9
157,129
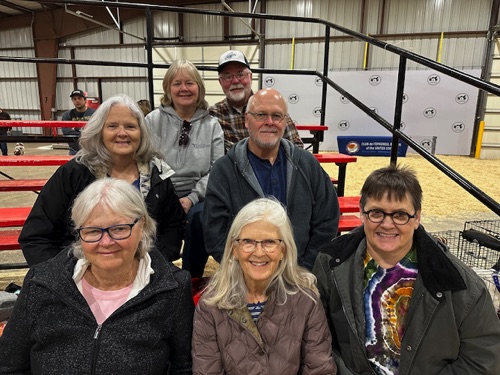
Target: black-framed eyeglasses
399,217
249,245
240,76
262,116
116,232
184,137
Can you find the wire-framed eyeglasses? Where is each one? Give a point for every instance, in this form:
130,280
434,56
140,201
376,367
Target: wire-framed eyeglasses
184,137
262,116
249,245
240,76
116,232
399,217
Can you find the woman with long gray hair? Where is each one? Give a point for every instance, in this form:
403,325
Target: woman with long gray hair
260,312
114,143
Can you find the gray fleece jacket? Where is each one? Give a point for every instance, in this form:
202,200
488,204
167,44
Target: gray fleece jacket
191,163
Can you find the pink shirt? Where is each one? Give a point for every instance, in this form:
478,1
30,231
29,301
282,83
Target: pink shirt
104,302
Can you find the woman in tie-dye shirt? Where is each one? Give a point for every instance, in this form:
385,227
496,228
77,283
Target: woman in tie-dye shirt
397,301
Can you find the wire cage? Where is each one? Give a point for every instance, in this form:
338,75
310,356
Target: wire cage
476,246
479,244
480,249
491,227
449,237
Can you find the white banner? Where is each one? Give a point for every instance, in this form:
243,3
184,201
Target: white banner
435,105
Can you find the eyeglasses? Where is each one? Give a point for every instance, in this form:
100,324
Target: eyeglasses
249,245
262,116
116,232
240,76
184,137
398,217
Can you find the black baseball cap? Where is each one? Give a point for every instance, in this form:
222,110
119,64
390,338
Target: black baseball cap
77,93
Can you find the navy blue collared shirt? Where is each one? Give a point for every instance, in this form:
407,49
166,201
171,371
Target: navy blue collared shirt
271,177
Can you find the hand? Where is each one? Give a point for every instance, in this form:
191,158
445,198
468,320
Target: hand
186,204
9,132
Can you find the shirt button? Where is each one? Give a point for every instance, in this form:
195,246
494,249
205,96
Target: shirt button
408,348
439,295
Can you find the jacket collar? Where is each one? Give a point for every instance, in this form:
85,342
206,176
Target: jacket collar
57,275
437,270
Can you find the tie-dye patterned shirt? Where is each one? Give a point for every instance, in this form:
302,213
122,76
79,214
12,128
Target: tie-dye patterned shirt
387,296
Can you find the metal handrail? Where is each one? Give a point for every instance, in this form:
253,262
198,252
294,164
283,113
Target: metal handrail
404,56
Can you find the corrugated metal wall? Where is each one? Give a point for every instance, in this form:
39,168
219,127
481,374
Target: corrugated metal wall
19,88
18,82
399,17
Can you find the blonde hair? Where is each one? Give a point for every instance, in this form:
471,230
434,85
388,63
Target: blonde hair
227,288
183,67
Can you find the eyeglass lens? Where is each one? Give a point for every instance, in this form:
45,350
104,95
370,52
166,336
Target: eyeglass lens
229,77
116,232
248,245
184,137
398,217
262,116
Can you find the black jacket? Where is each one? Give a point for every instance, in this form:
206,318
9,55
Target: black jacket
53,331
49,229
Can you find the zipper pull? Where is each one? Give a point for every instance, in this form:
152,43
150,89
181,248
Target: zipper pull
97,331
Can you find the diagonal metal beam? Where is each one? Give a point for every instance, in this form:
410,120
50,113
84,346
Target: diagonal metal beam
19,8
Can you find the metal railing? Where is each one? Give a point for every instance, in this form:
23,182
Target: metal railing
404,56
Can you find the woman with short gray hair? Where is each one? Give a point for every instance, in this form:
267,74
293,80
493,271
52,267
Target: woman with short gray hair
111,305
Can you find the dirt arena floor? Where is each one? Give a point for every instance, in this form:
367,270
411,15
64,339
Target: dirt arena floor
446,206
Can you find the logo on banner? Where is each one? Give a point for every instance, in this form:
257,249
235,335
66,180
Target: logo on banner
462,98
318,81
344,125
458,127
293,98
375,80
352,147
426,143
430,112
433,79
317,112
269,81
344,100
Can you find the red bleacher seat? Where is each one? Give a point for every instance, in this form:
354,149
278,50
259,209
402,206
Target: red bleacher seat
22,185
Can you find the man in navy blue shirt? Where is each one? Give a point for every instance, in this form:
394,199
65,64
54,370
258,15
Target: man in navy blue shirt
266,165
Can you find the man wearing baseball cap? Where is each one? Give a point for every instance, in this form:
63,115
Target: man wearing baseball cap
80,113
235,78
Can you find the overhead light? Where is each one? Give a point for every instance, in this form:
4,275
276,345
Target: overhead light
80,13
